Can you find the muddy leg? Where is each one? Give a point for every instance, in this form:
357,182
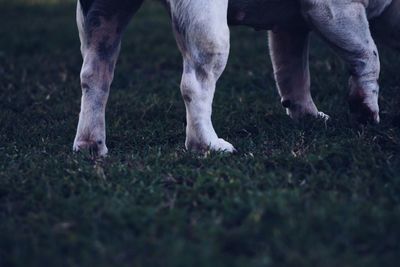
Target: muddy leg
100,24
345,26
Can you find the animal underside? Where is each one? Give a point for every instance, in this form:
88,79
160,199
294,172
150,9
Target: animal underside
263,14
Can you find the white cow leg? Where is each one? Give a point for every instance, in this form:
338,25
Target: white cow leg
345,26
100,29
202,35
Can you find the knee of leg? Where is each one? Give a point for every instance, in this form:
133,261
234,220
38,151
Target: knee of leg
87,76
187,90
94,77
211,57
96,73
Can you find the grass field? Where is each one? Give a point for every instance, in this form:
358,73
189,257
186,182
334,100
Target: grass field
305,194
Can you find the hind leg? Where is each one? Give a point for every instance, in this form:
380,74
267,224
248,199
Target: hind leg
100,24
202,35
289,54
345,26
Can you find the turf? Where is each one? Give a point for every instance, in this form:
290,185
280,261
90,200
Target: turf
305,194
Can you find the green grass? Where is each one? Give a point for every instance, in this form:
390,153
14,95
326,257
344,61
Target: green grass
305,194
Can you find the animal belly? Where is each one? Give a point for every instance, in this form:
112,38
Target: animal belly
263,14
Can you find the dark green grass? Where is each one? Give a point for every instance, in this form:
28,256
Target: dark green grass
305,194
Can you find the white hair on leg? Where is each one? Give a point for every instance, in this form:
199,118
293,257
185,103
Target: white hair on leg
100,45
202,35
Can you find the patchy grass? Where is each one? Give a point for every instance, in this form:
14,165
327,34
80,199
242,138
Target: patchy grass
304,194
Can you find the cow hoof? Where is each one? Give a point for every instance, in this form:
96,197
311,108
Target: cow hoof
303,109
222,146
96,148
219,145
323,116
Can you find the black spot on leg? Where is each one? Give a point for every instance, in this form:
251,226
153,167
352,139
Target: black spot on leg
107,48
375,53
85,87
187,98
96,11
201,73
206,63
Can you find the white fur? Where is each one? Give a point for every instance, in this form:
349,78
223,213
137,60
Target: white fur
96,78
203,39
